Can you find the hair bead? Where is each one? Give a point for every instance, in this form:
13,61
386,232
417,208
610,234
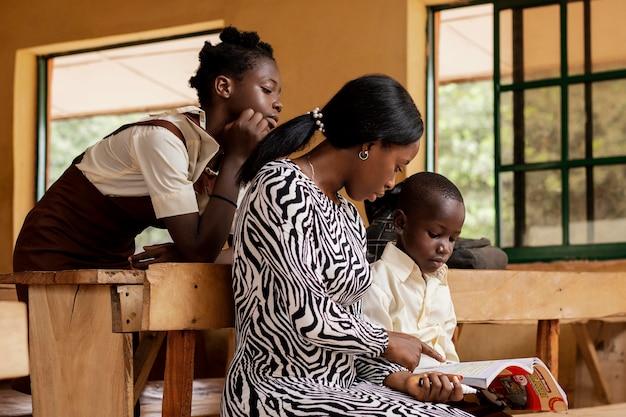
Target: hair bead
317,115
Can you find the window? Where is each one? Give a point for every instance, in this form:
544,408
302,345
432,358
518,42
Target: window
91,93
460,138
559,154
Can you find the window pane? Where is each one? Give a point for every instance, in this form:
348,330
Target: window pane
542,124
543,208
465,44
538,30
576,121
604,221
608,37
609,123
607,104
464,129
465,132
537,221
536,138
579,234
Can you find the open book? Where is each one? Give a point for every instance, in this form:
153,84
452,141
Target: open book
517,384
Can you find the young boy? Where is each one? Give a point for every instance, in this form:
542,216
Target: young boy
410,293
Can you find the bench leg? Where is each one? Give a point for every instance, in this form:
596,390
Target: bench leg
78,366
179,366
144,359
548,344
588,351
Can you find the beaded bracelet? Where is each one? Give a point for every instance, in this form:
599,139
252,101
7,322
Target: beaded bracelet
229,201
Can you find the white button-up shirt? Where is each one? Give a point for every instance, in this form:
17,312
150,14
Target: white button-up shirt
402,299
150,160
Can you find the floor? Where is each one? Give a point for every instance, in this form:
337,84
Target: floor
206,397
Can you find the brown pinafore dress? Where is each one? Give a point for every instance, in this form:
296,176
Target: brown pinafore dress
75,226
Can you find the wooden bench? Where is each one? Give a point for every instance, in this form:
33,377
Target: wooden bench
81,334
495,297
548,298
70,312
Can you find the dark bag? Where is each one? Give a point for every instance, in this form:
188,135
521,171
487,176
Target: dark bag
477,254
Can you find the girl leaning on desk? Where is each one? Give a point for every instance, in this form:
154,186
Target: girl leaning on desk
175,170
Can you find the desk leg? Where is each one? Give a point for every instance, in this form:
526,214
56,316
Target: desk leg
548,344
79,367
179,366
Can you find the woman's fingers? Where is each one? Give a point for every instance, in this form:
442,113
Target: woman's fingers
435,387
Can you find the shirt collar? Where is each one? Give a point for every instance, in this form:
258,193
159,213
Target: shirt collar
404,267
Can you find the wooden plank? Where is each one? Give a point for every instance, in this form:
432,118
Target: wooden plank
79,367
127,305
590,356
548,344
70,277
179,365
7,292
613,410
185,296
485,295
13,339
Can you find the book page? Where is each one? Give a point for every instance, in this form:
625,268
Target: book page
479,373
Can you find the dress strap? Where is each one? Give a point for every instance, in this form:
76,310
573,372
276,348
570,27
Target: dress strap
155,122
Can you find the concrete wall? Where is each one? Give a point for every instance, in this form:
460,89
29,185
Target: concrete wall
318,45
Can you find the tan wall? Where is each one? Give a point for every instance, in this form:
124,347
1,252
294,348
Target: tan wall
319,45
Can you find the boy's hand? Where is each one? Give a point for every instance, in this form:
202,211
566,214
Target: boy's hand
406,350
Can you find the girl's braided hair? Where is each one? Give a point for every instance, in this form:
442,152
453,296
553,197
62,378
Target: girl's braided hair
237,53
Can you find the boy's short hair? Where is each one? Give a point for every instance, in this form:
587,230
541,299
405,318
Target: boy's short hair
421,188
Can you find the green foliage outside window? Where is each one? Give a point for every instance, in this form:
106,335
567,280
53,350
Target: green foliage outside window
465,134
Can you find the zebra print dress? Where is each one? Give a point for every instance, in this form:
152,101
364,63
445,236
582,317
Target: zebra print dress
300,271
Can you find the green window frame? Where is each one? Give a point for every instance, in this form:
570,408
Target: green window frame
510,136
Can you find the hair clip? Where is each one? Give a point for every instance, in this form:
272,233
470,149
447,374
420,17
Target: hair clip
317,115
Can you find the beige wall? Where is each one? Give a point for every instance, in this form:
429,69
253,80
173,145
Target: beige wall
319,45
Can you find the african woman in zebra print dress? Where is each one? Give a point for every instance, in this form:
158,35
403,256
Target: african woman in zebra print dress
300,270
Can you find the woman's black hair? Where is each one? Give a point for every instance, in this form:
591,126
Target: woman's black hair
237,53
366,109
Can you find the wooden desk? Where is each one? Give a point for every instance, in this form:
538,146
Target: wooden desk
81,324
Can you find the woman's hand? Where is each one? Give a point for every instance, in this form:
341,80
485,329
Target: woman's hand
165,252
406,350
431,386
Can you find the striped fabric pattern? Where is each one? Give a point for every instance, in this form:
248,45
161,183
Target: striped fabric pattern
300,271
